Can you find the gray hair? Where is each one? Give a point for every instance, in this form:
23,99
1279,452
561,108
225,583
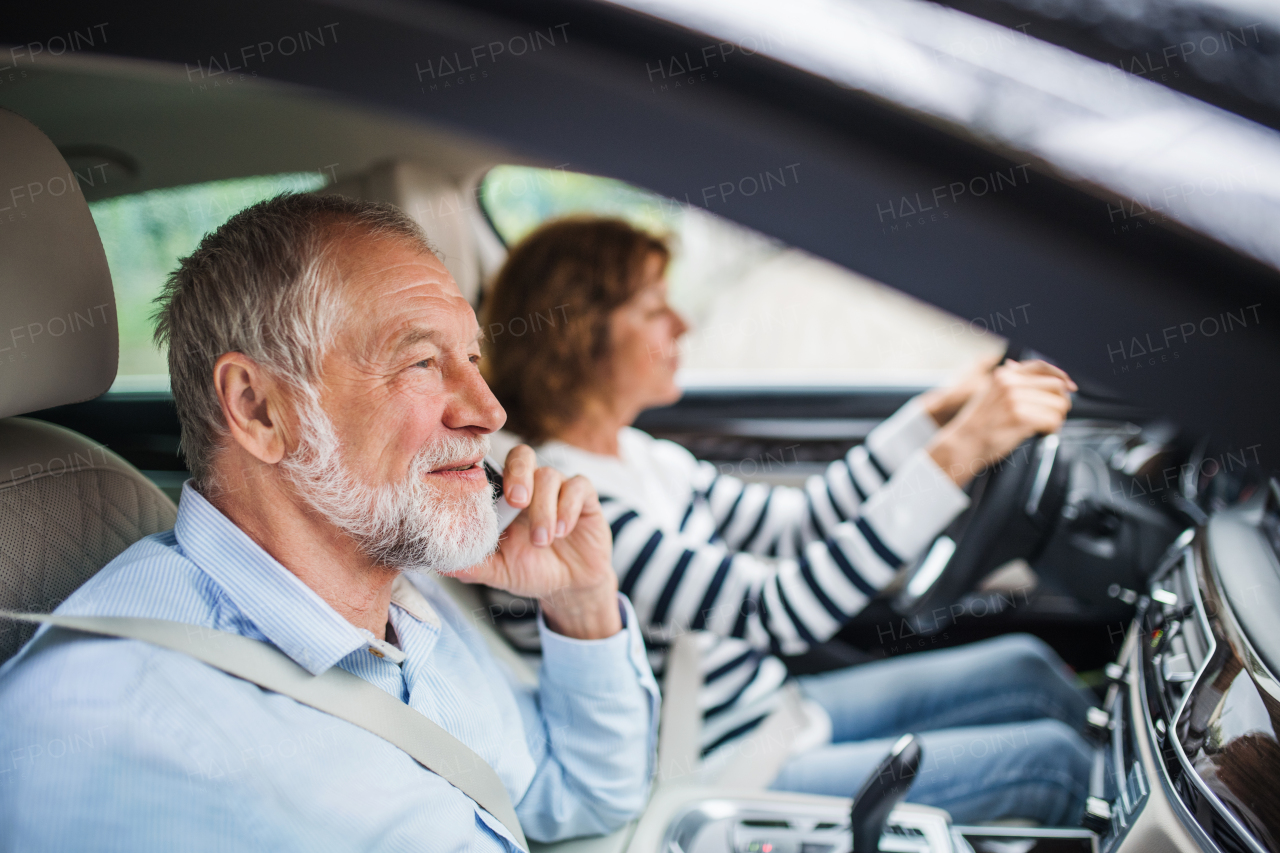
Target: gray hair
264,284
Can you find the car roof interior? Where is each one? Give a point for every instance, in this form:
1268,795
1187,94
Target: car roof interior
133,118
146,113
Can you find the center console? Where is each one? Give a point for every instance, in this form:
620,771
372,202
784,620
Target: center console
738,824
735,825
697,819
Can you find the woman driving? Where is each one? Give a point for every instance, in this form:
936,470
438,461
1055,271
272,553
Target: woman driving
766,570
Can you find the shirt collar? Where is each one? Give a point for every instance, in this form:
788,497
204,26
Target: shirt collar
288,612
408,598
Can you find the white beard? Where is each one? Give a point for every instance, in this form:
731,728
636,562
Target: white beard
407,525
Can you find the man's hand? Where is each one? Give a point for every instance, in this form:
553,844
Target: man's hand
1022,399
557,550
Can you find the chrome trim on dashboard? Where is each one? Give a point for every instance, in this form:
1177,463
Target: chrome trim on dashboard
1171,795
1211,574
1202,617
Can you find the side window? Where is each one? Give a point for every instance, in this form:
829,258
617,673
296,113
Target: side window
821,323
145,234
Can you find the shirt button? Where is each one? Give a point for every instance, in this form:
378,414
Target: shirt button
376,653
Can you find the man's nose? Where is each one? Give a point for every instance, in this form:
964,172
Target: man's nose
472,405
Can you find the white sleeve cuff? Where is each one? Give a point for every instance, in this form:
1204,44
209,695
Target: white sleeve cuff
598,667
901,434
909,511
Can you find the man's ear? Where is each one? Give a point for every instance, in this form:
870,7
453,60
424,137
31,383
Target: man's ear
253,406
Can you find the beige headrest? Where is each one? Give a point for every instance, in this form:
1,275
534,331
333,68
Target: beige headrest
58,337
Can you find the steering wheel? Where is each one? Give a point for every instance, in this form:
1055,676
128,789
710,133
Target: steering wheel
1014,507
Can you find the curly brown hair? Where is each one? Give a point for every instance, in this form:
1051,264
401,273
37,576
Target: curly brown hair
559,287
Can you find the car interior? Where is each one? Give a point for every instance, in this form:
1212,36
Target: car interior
1146,554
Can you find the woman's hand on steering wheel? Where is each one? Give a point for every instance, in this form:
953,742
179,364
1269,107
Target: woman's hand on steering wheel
942,403
1020,400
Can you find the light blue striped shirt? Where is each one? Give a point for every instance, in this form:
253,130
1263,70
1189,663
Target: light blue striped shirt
118,745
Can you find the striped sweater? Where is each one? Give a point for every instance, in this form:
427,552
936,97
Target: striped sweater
761,569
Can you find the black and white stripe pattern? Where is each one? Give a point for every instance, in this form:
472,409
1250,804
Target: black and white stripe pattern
826,570
766,569
772,521
710,576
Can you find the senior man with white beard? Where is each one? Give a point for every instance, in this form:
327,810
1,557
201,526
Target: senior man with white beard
323,365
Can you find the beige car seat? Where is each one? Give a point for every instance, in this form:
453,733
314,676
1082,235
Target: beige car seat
68,505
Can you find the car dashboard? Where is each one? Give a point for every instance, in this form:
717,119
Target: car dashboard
1193,761
1188,756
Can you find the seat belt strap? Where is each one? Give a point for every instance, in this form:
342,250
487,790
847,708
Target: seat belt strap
680,726
334,691
759,755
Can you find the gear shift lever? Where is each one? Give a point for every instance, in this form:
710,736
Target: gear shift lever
884,789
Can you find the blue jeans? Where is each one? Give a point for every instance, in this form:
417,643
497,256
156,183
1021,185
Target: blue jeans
1000,722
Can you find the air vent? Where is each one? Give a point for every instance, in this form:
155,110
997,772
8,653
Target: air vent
904,831
1179,633
814,847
